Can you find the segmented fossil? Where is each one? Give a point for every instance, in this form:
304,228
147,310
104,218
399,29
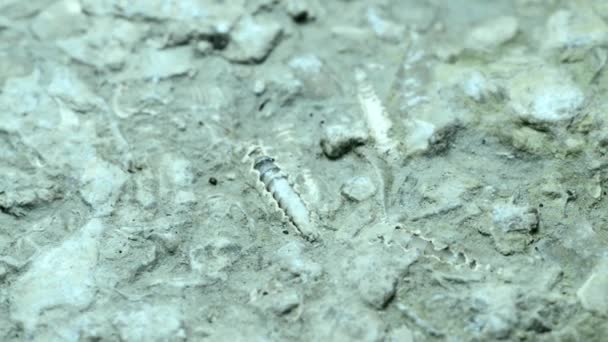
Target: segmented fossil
286,197
376,117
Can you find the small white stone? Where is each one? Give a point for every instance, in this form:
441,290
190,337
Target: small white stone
102,184
419,135
478,87
252,40
204,47
306,63
545,95
337,140
593,294
185,197
512,218
493,33
358,188
259,87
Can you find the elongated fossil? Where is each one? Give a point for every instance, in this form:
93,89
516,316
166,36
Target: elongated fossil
286,197
376,117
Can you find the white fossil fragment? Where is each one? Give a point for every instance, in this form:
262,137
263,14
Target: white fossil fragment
376,116
294,208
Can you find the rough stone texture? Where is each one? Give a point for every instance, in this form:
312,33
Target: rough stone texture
513,226
63,277
545,95
101,185
130,209
511,218
252,41
358,189
593,294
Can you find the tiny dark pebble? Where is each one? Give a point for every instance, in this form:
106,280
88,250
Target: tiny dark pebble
301,17
212,181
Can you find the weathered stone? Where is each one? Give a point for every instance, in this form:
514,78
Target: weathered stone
252,41
593,294
102,184
512,218
513,226
150,323
358,188
544,95
338,140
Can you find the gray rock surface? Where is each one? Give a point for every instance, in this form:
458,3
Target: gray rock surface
451,156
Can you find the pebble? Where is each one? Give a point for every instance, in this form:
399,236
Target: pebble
204,48
477,87
493,33
338,140
512,227
512,218
531,141
420,133
374,274
184,197
252,40
259,87
299,10
544,95
358,188
101,185
593,294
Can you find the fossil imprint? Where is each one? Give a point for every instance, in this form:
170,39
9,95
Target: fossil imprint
286,197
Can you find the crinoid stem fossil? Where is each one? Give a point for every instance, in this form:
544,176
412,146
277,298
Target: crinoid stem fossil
376,117
286,197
